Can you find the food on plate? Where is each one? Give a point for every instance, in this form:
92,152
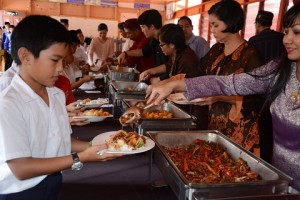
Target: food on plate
87,100
208,162
95,112
125,141
158,114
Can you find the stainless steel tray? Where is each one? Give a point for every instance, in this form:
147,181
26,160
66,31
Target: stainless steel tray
124,74
273,181
123,87
178,113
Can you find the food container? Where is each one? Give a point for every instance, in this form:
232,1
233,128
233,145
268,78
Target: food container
274,182
123,73
130,88
180,121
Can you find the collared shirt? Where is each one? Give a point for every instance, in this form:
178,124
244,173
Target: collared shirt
30,128
142,63
199,45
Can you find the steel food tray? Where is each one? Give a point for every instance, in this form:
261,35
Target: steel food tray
123,74
123,87
273,181
178,113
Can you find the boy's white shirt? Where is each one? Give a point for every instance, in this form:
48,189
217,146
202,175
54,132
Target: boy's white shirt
30,128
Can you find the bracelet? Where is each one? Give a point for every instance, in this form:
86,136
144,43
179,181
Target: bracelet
126,55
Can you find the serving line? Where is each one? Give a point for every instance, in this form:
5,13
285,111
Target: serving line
119,179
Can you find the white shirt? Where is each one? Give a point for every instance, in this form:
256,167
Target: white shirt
8,75
80,55
30,128
128,43
71,72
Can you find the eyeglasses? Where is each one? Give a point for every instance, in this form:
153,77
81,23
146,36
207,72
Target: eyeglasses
162,44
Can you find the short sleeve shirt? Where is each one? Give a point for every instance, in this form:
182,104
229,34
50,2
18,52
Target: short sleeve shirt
30,128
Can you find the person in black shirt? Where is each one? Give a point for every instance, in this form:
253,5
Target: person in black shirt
267,41
150,22
270,46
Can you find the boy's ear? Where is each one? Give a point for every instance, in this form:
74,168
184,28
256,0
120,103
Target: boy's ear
24,55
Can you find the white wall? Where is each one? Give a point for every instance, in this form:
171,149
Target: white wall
89,26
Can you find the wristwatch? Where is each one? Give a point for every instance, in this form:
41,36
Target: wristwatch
77,165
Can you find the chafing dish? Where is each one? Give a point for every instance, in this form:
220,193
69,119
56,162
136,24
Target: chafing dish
123,73
273,181
180,121
130,88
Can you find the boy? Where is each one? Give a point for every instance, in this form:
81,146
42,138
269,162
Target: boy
35,142
150,22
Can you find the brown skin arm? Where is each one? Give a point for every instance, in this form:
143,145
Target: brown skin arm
28,167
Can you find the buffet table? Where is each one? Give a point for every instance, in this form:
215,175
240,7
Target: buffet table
141,176
122,178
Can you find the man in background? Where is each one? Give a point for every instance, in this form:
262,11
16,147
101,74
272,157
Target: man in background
6,44
197,43
267,41
150,22
269,44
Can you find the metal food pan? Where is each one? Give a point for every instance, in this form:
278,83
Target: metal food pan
122,87
178,113
124,74
272,180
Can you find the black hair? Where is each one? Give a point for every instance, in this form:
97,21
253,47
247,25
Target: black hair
284,70
231,13
121,25
6,23
151,17
102,27
73,36
88,40
172,34
185,18
78,31
37,33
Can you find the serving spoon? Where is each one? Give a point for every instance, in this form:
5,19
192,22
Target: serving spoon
132,114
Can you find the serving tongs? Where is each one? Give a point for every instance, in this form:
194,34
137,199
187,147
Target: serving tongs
133,114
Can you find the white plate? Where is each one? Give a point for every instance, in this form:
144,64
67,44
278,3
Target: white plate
101,139
93,118
178,98
94,103
98,76
88,86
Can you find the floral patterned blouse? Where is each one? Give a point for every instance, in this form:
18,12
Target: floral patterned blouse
238,122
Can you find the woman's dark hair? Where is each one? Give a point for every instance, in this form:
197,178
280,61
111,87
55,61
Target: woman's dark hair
284,70
151,17
172,34
231,13
102,27
37,33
